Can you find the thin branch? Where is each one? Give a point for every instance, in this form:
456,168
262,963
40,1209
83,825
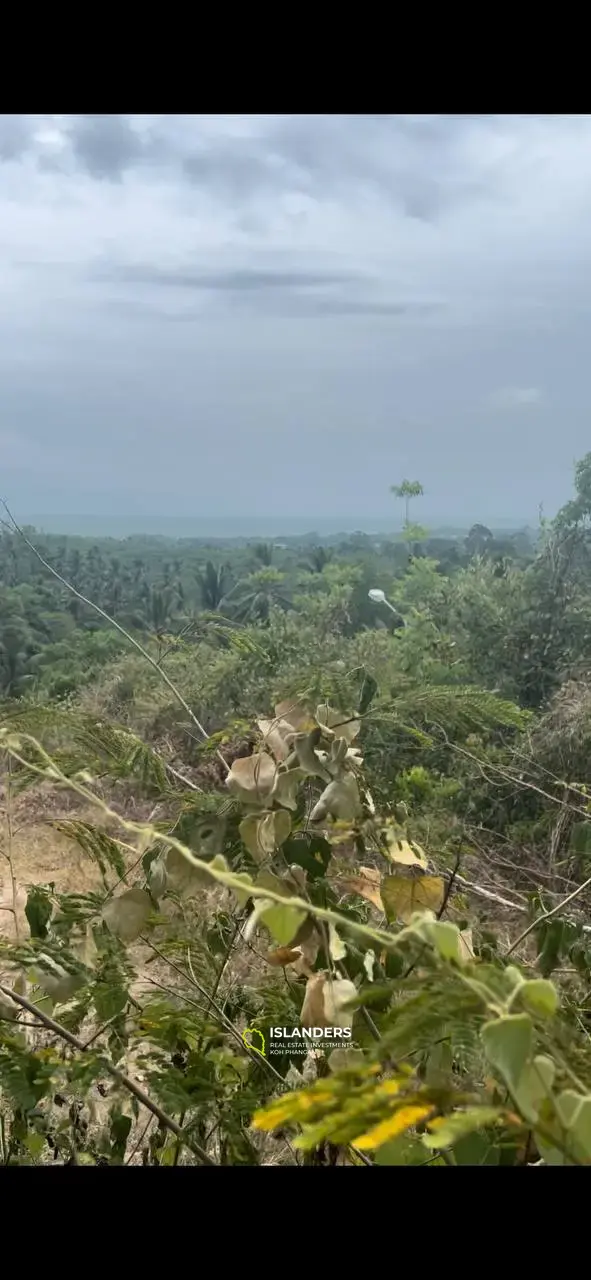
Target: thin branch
113,1071
140,1140
7,853
122,631
545,915
450,884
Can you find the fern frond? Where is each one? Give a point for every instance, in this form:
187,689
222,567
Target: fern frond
454,708
100,847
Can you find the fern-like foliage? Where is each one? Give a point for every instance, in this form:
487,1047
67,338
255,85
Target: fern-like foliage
80,743
455,709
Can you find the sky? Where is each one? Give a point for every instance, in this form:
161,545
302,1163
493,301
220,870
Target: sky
272,316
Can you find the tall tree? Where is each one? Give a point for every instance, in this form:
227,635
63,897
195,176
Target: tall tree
408,490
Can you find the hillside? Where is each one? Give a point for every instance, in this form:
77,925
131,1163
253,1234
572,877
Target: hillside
290,874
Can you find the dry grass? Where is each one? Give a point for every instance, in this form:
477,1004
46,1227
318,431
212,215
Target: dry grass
39,853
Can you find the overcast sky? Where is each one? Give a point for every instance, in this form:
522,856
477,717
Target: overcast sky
236,315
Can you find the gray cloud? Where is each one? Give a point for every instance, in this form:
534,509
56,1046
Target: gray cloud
105,146
418,163
230,279
15,136
223,314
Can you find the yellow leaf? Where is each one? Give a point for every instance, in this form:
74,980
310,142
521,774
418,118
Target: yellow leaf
403,852
336,945
403,895
398,1123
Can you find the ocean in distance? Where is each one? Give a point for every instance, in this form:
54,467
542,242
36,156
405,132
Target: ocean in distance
272,528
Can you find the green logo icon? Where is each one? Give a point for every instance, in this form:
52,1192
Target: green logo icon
253,1031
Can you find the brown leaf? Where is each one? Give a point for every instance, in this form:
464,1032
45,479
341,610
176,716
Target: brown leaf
283,956
366,884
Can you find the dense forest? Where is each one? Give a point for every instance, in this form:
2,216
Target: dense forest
327,785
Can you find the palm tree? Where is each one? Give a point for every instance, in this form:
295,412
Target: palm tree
407,490
213,585
318,558
264,553
257,595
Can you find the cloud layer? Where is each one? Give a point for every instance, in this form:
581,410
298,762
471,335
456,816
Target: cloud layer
216,315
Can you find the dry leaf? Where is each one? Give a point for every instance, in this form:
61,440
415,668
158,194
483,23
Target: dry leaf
263,833
403,895
336,995
311,762
466,947
287,783
340,799
295,714
312,1014
275,734
366,884
341,724
252,779
283,956
324,1001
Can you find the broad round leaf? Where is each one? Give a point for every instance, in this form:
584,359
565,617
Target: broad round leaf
126,915
402,896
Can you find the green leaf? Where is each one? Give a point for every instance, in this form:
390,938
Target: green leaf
508,1044
448,1129
555,936
126,915
445,938
580,840
539,996
244,895
534,1086
282,922
38,911
263,833
181,876
103,850
311,852
575,1113
368,692
35,1143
